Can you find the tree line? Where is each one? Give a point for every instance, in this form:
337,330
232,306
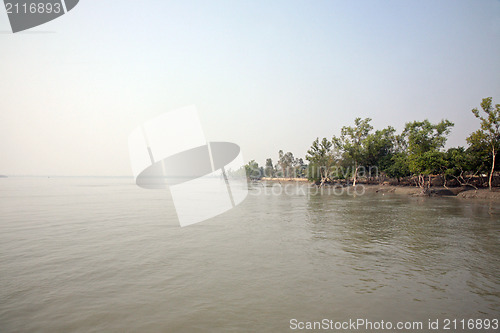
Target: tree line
416,153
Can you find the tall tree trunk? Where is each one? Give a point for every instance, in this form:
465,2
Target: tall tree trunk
324,176
492,168
355,175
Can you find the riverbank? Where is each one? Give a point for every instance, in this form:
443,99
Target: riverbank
276,179
462,192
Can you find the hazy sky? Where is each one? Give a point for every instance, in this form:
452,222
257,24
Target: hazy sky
266,75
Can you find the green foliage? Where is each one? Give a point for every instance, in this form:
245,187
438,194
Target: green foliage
352,143
398,166
269,169
300,168
252,170
422,136
432,162
424,141
379,149
321,159
352,140
288,166
490,125
480,152
486,140
458,161
460,165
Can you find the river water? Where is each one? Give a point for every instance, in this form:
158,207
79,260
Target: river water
102,255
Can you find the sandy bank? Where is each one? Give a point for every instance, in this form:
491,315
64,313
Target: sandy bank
267,179
481,194
463,192
459,192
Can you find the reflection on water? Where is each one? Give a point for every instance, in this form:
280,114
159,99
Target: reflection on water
102,255
439,251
